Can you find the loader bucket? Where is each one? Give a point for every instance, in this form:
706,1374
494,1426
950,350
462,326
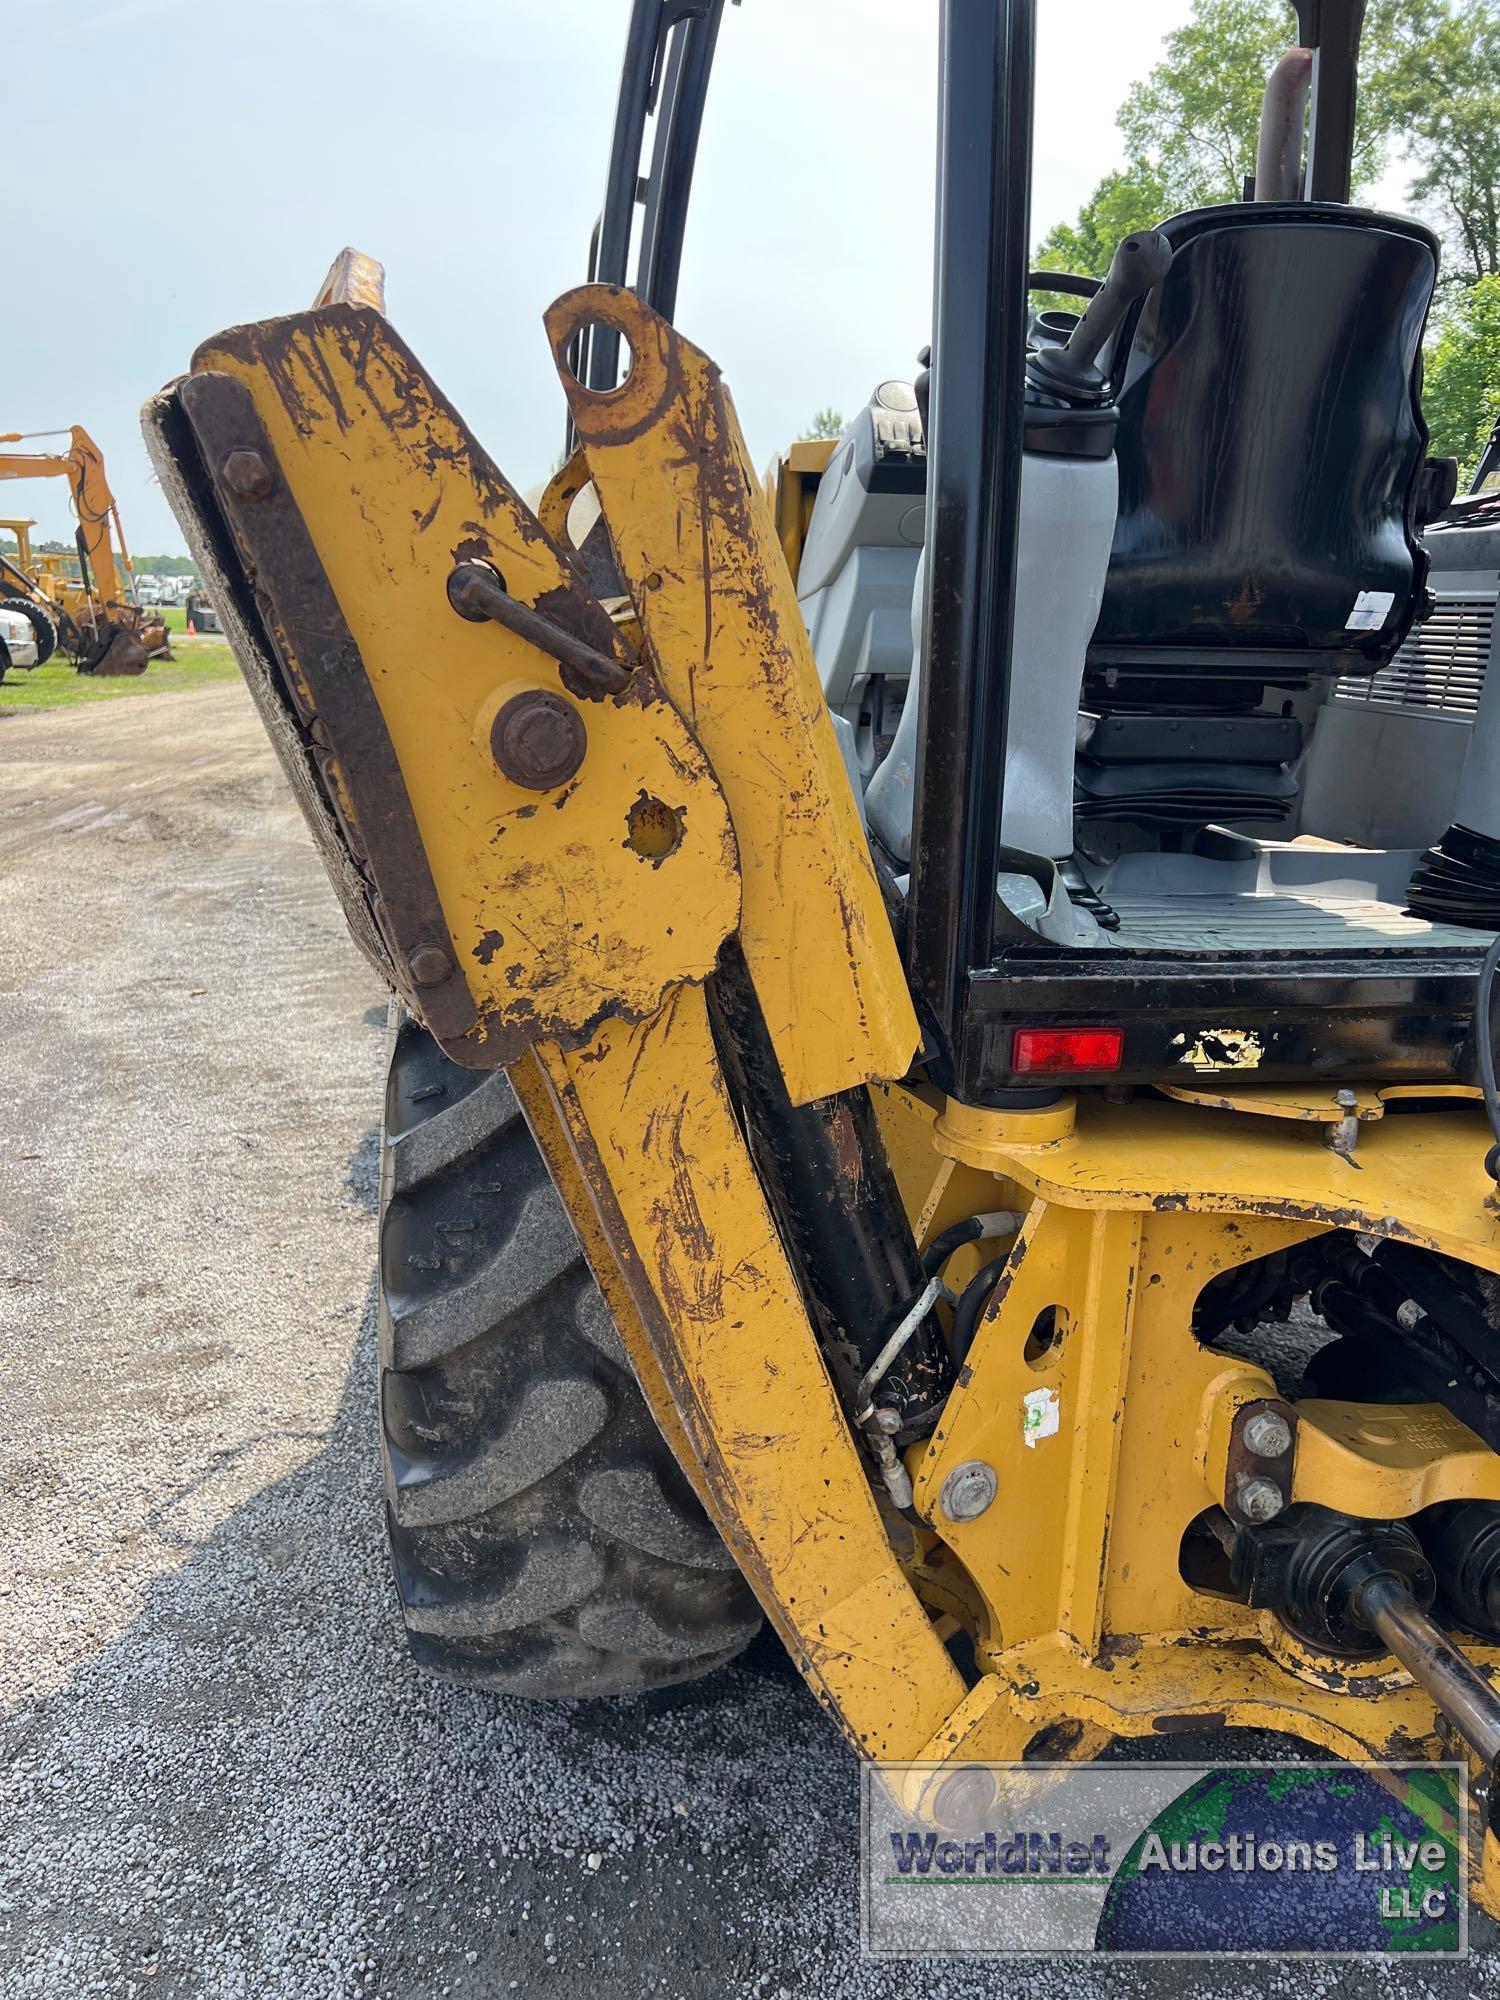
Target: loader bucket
120,652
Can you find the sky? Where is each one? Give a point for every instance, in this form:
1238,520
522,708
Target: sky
240,143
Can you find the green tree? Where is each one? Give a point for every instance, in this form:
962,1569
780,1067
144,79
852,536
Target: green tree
1194,120
826,423
1461,389
1121,204
1429,84
1434,87
1190,129
164,565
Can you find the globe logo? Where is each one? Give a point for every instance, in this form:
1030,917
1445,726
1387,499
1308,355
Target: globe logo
1299,1859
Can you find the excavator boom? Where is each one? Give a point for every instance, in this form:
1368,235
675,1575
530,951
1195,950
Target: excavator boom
82,465
97,620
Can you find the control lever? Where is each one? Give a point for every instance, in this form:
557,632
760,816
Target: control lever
1072,371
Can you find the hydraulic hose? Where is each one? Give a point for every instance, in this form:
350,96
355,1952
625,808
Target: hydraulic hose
970,1308
973,1229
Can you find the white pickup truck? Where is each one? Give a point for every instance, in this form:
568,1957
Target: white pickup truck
18,641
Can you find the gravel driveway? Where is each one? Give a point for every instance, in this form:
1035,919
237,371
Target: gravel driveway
220,1775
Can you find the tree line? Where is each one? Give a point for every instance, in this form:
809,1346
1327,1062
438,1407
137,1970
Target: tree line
143,565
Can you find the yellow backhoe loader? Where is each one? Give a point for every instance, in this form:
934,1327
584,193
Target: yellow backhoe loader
93,618
881,1018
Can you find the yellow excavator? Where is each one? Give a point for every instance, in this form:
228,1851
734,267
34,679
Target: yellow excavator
886,1018
93,618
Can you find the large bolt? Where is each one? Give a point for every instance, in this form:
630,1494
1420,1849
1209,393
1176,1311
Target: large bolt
538,740
963,1800
247,474
1260,1499
429,965
1267,1434
968,1490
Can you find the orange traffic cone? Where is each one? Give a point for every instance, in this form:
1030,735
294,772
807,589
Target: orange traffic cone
192,630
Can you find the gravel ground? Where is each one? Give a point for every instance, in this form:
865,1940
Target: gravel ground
220,1775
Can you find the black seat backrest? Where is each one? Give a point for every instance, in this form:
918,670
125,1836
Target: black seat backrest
1269,446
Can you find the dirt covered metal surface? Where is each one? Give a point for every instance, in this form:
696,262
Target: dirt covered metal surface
218,1774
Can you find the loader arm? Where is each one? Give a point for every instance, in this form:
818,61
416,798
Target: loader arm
568,928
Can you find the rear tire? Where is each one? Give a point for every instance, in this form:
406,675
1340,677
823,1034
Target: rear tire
545,1541
42,624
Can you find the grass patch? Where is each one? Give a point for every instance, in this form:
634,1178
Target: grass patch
198,662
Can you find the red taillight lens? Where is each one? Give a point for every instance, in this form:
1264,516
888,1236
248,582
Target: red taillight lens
1061,1051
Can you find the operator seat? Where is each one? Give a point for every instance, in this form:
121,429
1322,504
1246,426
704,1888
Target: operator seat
1270,449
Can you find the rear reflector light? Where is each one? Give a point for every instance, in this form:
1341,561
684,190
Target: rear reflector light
1059,1051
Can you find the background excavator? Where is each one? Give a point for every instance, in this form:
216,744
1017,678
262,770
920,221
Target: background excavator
882,1017
93,618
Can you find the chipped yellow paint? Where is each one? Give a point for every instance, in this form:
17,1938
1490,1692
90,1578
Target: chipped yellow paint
904,1115
1389,1460
1083,1624
1110,1497
1159,1488
1207,1194
1058,1321
1418,1178
1044,1690
1274,1100
556,921
990,1138
1391,1092
1042,1683
698,552
661,1153
561,490
1385,1461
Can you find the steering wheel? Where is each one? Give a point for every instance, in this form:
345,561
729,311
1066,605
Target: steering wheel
1072,282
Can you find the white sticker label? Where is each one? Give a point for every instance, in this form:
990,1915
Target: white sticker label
1041,1413
1371,609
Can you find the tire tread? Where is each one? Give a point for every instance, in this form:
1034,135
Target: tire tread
544,1540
